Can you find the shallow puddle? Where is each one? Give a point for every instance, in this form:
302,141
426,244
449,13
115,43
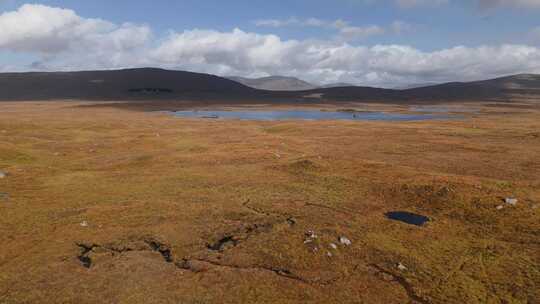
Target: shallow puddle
408,217
305,115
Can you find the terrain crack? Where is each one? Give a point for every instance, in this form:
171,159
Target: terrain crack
187,264
85,256
255,210
403,282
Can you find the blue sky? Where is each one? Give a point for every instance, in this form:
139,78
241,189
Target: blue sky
368,42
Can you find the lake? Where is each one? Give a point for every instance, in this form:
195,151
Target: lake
305,115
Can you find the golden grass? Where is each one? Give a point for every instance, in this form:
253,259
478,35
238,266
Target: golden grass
138,178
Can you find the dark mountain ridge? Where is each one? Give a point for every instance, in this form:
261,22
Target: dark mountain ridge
149,84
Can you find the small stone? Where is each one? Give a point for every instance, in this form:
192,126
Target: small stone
333,246
345,241
401,267
311,234
3,174
511,201
329,254
500,207
84,224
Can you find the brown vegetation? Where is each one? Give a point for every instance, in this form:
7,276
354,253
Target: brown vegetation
108,205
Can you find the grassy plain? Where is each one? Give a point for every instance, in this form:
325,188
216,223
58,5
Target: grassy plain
113,205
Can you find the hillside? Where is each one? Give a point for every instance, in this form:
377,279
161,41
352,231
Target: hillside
129,84
275,83
150,84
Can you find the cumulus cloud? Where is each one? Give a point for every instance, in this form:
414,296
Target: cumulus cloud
65,41
251,54
50,30
345,31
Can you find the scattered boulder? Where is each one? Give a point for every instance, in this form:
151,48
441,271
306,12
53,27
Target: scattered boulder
333,246
500,207
511,201
345,241
401,267
311,242
3,174
311,234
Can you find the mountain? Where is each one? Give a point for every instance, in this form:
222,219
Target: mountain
336,85
493,89
414,85
128,84
275,83
150,84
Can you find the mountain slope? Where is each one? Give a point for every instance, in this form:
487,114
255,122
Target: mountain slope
493,89
156,84
275,83
129,84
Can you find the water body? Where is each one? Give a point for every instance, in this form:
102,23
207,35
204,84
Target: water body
442,109
408,217
305,115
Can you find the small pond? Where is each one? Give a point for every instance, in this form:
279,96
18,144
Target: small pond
408,217
305,115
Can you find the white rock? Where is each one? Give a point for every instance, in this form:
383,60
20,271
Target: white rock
511,201
401,267
311,234
84,224
3,174
329,254
345,241
500,207
333,246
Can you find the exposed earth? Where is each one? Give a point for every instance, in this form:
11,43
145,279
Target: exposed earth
114,204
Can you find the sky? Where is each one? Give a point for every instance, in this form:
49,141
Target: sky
384,43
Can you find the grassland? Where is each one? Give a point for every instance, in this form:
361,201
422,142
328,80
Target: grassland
112,205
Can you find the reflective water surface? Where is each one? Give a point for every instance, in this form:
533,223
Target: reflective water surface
305,115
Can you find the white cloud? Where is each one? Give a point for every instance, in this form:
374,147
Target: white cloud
349,33
293,21
345,31
64,41
251,54
49,30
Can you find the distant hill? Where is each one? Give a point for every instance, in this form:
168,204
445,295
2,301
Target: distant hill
150,84
336,85
415,85
128,84
275,83
493,89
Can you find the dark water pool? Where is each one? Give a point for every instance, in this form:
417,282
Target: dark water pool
305,115
408,217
